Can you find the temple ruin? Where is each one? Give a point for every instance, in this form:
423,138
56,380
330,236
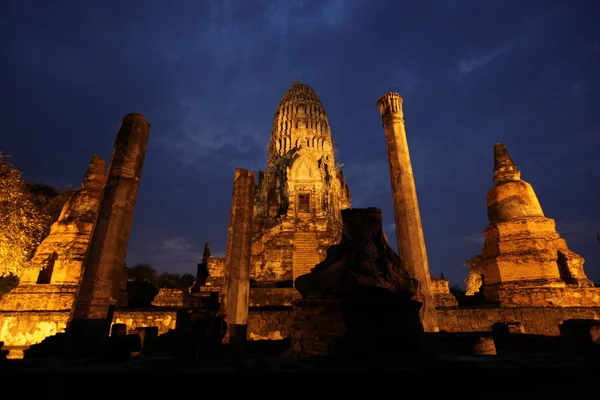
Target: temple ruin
298,200
302,267
39,306
524,261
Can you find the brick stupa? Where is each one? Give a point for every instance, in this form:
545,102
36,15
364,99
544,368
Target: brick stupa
524,260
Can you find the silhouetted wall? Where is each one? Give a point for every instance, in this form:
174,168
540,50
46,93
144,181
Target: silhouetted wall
535,320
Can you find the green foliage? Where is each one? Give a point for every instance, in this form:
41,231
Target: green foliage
175,281
147,273
23,219
142,273
27,210
55,205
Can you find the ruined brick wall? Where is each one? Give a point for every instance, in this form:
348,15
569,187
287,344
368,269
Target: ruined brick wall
173,298
316,325
269,324
535,320
164,320
570,296
273,256
22,328
441,293
47,297
269,297
215,266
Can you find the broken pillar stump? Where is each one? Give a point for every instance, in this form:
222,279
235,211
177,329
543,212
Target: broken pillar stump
237,260
484,346
148,336
101,282
360,301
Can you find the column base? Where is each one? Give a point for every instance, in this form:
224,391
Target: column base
237,339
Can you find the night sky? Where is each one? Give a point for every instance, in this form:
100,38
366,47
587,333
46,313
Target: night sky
208,76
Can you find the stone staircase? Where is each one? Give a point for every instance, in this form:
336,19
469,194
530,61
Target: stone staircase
305,255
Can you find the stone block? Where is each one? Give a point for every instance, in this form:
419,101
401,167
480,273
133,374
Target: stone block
118,330
580,335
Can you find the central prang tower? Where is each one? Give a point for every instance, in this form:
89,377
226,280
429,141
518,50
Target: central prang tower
299,197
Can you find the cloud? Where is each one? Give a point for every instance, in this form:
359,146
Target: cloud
368,180
333,12
177,250
180,249
573,230
477,238
287,15
371,179
404,80
470,64
206,133
390,228
577,89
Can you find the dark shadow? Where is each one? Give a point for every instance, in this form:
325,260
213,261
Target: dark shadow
381,324
563,269
285,284
45,275
140,294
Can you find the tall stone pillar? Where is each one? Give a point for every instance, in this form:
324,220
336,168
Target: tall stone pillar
103,265
236,287
409,230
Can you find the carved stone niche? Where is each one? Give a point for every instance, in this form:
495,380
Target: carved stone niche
360,300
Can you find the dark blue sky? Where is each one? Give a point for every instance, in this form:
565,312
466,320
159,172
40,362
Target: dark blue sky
208,76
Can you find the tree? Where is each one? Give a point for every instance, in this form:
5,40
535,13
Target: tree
23,218
142,273
175,281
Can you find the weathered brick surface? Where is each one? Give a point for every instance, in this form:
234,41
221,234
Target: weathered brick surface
164,320
569,296
236,285
26,328
269,325
441,293
105,258
316,325
216,268
300,195
534,320
407,216
267,297
522,249
167,297
34,297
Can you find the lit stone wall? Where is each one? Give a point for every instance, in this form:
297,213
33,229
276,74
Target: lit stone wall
27,328
164,320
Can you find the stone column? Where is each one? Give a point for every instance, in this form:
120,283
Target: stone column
236,287
409,230
103,265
